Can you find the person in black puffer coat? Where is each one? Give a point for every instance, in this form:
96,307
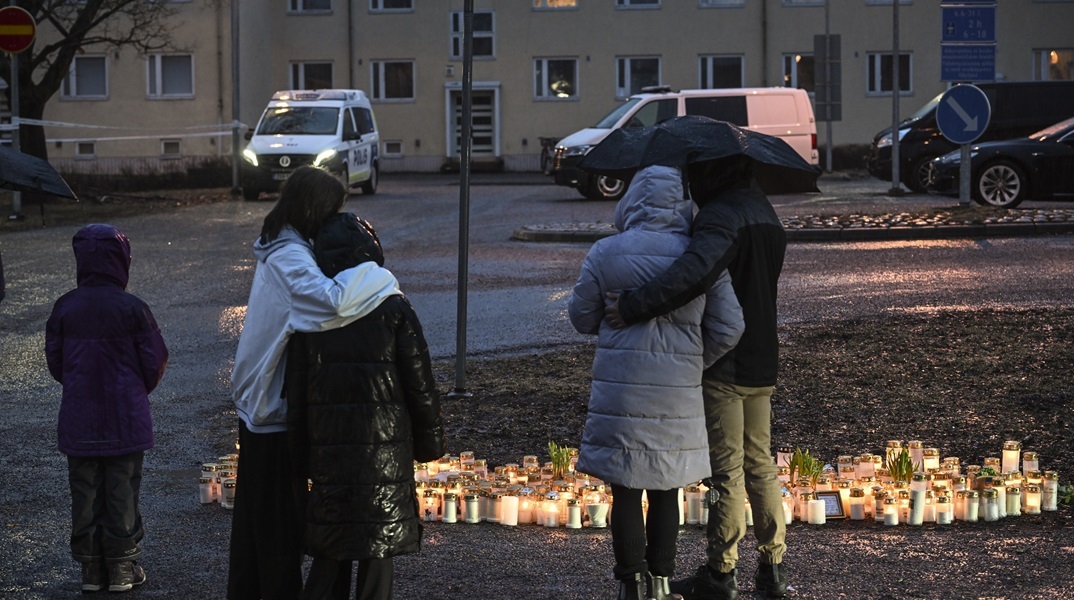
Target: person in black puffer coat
362,407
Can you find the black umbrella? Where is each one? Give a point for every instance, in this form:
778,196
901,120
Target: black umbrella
25,173
680,141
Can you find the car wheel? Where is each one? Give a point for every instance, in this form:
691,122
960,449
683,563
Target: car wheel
1001,184
369,187
250,194
606,188
918,177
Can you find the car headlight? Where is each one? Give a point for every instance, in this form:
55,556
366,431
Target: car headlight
250,157
324,157
885,140
576,150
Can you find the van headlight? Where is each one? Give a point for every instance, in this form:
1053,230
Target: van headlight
250,157
885,140
576,150
324,157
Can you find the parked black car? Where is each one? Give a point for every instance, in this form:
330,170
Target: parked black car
1038,167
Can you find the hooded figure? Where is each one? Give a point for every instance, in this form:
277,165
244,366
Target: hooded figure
104,346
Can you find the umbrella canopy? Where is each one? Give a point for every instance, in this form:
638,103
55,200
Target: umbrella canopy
25,173
680,141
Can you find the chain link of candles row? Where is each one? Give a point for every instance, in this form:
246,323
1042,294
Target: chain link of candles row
217,481
939,492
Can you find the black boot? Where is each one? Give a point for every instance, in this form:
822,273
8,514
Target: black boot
632,587
707,585
659,589
771,580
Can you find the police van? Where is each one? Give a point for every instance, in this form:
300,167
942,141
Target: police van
778,111
332,129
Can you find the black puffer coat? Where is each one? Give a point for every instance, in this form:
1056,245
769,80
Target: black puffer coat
363,401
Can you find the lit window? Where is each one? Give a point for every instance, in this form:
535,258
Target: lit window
634,73
310,5
798,71
555,78
311,76
87,78
391,5
1053,65
170,149
170,76
393,80
880,77
484,24
720,72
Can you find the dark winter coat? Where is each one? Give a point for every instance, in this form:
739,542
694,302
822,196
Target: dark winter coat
735,229
103,344
363,405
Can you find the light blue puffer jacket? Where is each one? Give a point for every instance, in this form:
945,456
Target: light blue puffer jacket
646,422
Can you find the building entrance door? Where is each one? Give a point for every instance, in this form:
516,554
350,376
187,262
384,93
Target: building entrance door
486,119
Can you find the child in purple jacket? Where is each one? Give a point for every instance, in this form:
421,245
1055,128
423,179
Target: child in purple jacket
104,346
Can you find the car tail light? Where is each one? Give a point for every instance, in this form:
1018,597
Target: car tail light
814,139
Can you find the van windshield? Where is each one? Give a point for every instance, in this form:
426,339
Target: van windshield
299,120
924,111
613,117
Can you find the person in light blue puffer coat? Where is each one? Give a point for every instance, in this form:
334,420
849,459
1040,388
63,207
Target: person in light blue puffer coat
646,424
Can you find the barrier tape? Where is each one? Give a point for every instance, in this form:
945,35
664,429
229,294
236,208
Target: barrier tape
217,130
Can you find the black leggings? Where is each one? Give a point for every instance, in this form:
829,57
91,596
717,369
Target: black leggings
644,545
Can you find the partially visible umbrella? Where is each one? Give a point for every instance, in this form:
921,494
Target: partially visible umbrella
23,172
680,141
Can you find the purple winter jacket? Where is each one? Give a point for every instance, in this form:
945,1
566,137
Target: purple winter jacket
103,344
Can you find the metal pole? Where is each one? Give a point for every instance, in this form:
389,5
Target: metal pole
16,197
828,83
464,196
896,188
236,153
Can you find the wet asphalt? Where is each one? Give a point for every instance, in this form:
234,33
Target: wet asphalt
194,266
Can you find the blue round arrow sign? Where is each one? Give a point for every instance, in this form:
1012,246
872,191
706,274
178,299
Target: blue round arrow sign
963,113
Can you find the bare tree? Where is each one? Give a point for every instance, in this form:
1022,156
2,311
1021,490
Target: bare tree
64,29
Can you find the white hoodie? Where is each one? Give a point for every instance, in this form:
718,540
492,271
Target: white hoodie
289,294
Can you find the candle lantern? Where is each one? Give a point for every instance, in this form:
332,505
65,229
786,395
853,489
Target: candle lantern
783,456
574,514
959,505
421,472
693,504
845,461
1012,449
930,458
990,497
481,468
1030,462
1014,501
1049,499
959,483
227,498
917,451
597,508
788,507
209,470
783,473
894,449
1032,498
509,504
472,512
951,465
890,511
903,498
930,506
803,504
443,465
944,514
815,511
884,476
430,505
844,485
973,506
878,463
466,457
205,489
995,462
749,512
550,510
856,500
916,514
919,482
495,507
451,507
971,476
878,495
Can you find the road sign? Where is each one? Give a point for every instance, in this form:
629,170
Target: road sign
17,29
968,24
963,113
968,62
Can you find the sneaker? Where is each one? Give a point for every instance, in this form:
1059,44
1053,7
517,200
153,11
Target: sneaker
125,575
771,580
94,576
707,585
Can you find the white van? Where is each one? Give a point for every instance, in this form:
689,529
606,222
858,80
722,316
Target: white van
332,129
778,111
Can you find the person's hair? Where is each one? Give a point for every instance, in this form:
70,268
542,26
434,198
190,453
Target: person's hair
308,197
710,177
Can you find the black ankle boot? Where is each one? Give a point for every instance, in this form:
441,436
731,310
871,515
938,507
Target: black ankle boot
771,580
632,587
659,589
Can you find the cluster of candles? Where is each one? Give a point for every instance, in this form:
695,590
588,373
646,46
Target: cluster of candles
940,492
217,481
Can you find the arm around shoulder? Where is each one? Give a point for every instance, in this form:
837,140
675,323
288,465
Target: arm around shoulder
723,323
419,386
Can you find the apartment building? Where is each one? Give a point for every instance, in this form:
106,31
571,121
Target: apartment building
541,69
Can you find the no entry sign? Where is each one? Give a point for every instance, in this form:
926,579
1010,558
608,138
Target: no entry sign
17,29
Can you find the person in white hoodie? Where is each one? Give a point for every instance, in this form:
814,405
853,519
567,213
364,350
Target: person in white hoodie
289,294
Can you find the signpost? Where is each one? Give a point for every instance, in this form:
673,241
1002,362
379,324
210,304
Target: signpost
962,116
968,41
17,32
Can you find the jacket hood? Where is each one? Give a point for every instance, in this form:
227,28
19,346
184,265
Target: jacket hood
346,241
654,202
288,235
102,256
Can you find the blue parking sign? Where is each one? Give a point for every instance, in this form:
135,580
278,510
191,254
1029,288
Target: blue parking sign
963,113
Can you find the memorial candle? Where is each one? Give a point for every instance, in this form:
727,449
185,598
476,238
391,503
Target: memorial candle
891,511
509,510
451,507
856,499
1011,451
1032,499
815,512
1030,462
943,510
1049,499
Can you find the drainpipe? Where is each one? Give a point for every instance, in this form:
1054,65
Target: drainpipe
350,45
764,43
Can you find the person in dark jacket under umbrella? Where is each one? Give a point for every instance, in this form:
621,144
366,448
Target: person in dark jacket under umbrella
103,345
362,407
736,229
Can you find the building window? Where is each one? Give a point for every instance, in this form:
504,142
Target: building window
392,148
391,5
300,6
393,80
171,76
484,34
311,76
170,149
1053,65
720,3
637,3
634,73
806,2
886,2
85,150
87,78
555,78
554,4
720,72
879,76
798,71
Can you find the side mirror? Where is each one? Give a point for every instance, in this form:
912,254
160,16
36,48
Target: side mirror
249,135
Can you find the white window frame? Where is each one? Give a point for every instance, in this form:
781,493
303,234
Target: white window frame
874,88
392,148
704,69
790,76
378,84
555,4
541,89
623,73
69,89
721,3
296,73
638,4
165,142
377,6
296,7
89,145
1041,60
806,2
456,26
155,77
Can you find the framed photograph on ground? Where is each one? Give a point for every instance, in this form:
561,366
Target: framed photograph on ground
833,505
